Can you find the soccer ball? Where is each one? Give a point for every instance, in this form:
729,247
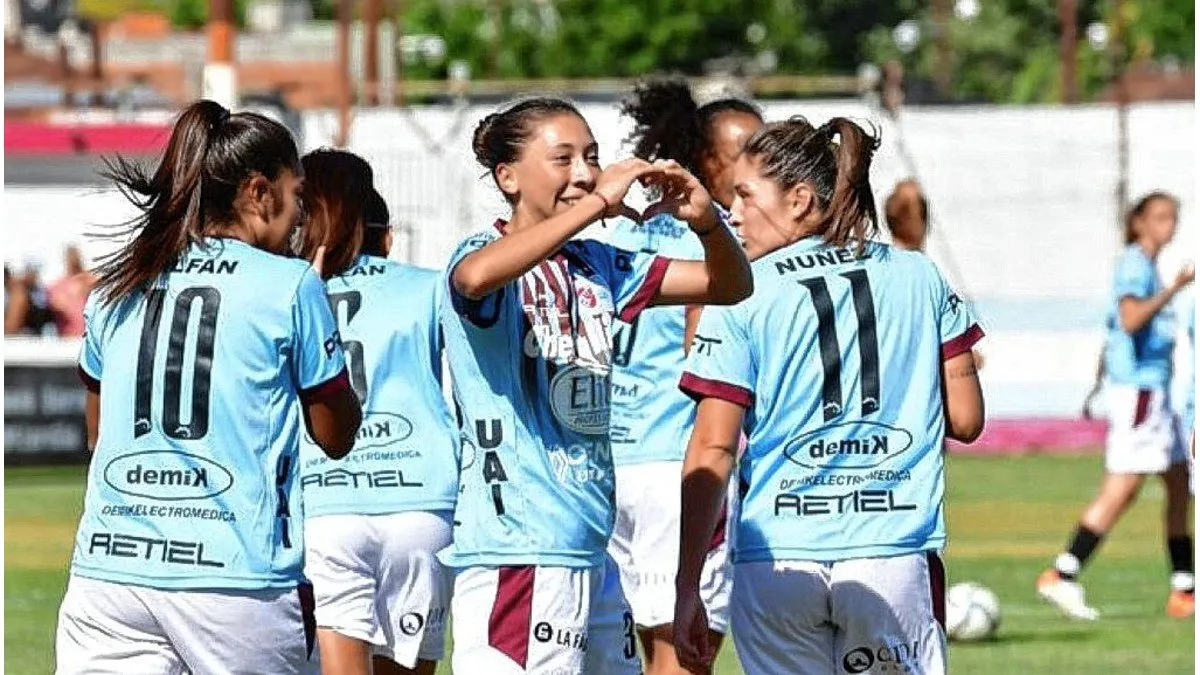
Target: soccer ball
972,612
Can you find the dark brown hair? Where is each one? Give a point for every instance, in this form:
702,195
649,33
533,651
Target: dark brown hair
500,137
209,157
377,225
669,125
1139,208
835,160
337,188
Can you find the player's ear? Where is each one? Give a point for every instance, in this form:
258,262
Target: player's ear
799,201
260,195
506,179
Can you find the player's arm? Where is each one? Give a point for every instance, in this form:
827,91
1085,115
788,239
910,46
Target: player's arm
1136,313
711,454
962,398
691,320
496,265
332,417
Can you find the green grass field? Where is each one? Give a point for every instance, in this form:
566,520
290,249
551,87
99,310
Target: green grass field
1008,518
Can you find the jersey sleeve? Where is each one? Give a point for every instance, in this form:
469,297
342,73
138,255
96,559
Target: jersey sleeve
91,363
959,331
485,311
633,278
1134,277
720,364
318,363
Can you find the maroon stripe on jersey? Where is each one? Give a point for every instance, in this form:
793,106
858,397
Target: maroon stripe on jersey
329,388
649,289
698,388
512,613
962,343
89,382
1143,407
937,587
559,281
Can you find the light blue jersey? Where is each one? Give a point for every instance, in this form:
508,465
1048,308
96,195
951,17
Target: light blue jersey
1189,404
406,455
1143,359
531,366
650,416
193,481
838,359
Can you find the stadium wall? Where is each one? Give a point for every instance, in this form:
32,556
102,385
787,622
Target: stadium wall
1025,222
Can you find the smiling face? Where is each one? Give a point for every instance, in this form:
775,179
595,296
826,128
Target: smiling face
558,165
727,133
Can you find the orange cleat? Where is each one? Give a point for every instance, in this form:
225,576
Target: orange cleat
1181,605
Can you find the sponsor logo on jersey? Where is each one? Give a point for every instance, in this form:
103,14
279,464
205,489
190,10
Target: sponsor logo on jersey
167,475
382,429
170,551
579,399
856,501
851,445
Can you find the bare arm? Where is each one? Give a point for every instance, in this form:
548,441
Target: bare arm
691,321
711,454
723,278
1136,313
332,417
496,265
18,306
962,398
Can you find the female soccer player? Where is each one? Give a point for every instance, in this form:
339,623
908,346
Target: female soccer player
1143,435
201,340
374,521
650,416
847,367
529,345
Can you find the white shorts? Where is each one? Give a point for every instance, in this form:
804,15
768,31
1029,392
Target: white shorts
645,546
544,620
107,628
377,579
1143,432
875,615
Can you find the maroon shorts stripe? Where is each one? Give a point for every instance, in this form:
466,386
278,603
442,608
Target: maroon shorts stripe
1143,407
308,610
512,613
937,587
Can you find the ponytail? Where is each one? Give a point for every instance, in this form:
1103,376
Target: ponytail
835,161
208,157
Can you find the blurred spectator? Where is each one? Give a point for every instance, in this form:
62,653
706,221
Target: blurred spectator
69,294
38,320
907,214
16,303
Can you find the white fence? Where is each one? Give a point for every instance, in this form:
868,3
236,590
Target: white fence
1023,203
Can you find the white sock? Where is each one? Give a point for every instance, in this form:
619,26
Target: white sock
1067,564
1183,581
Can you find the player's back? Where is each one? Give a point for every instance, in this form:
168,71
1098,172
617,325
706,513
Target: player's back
846,426
406,454
191,483
649,414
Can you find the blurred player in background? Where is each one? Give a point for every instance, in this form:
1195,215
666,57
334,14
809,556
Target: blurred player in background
201,340
1143,436
907,213
529,344
650,416
836,368
374,521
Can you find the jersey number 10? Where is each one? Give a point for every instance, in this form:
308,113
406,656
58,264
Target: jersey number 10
173,425
831,353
